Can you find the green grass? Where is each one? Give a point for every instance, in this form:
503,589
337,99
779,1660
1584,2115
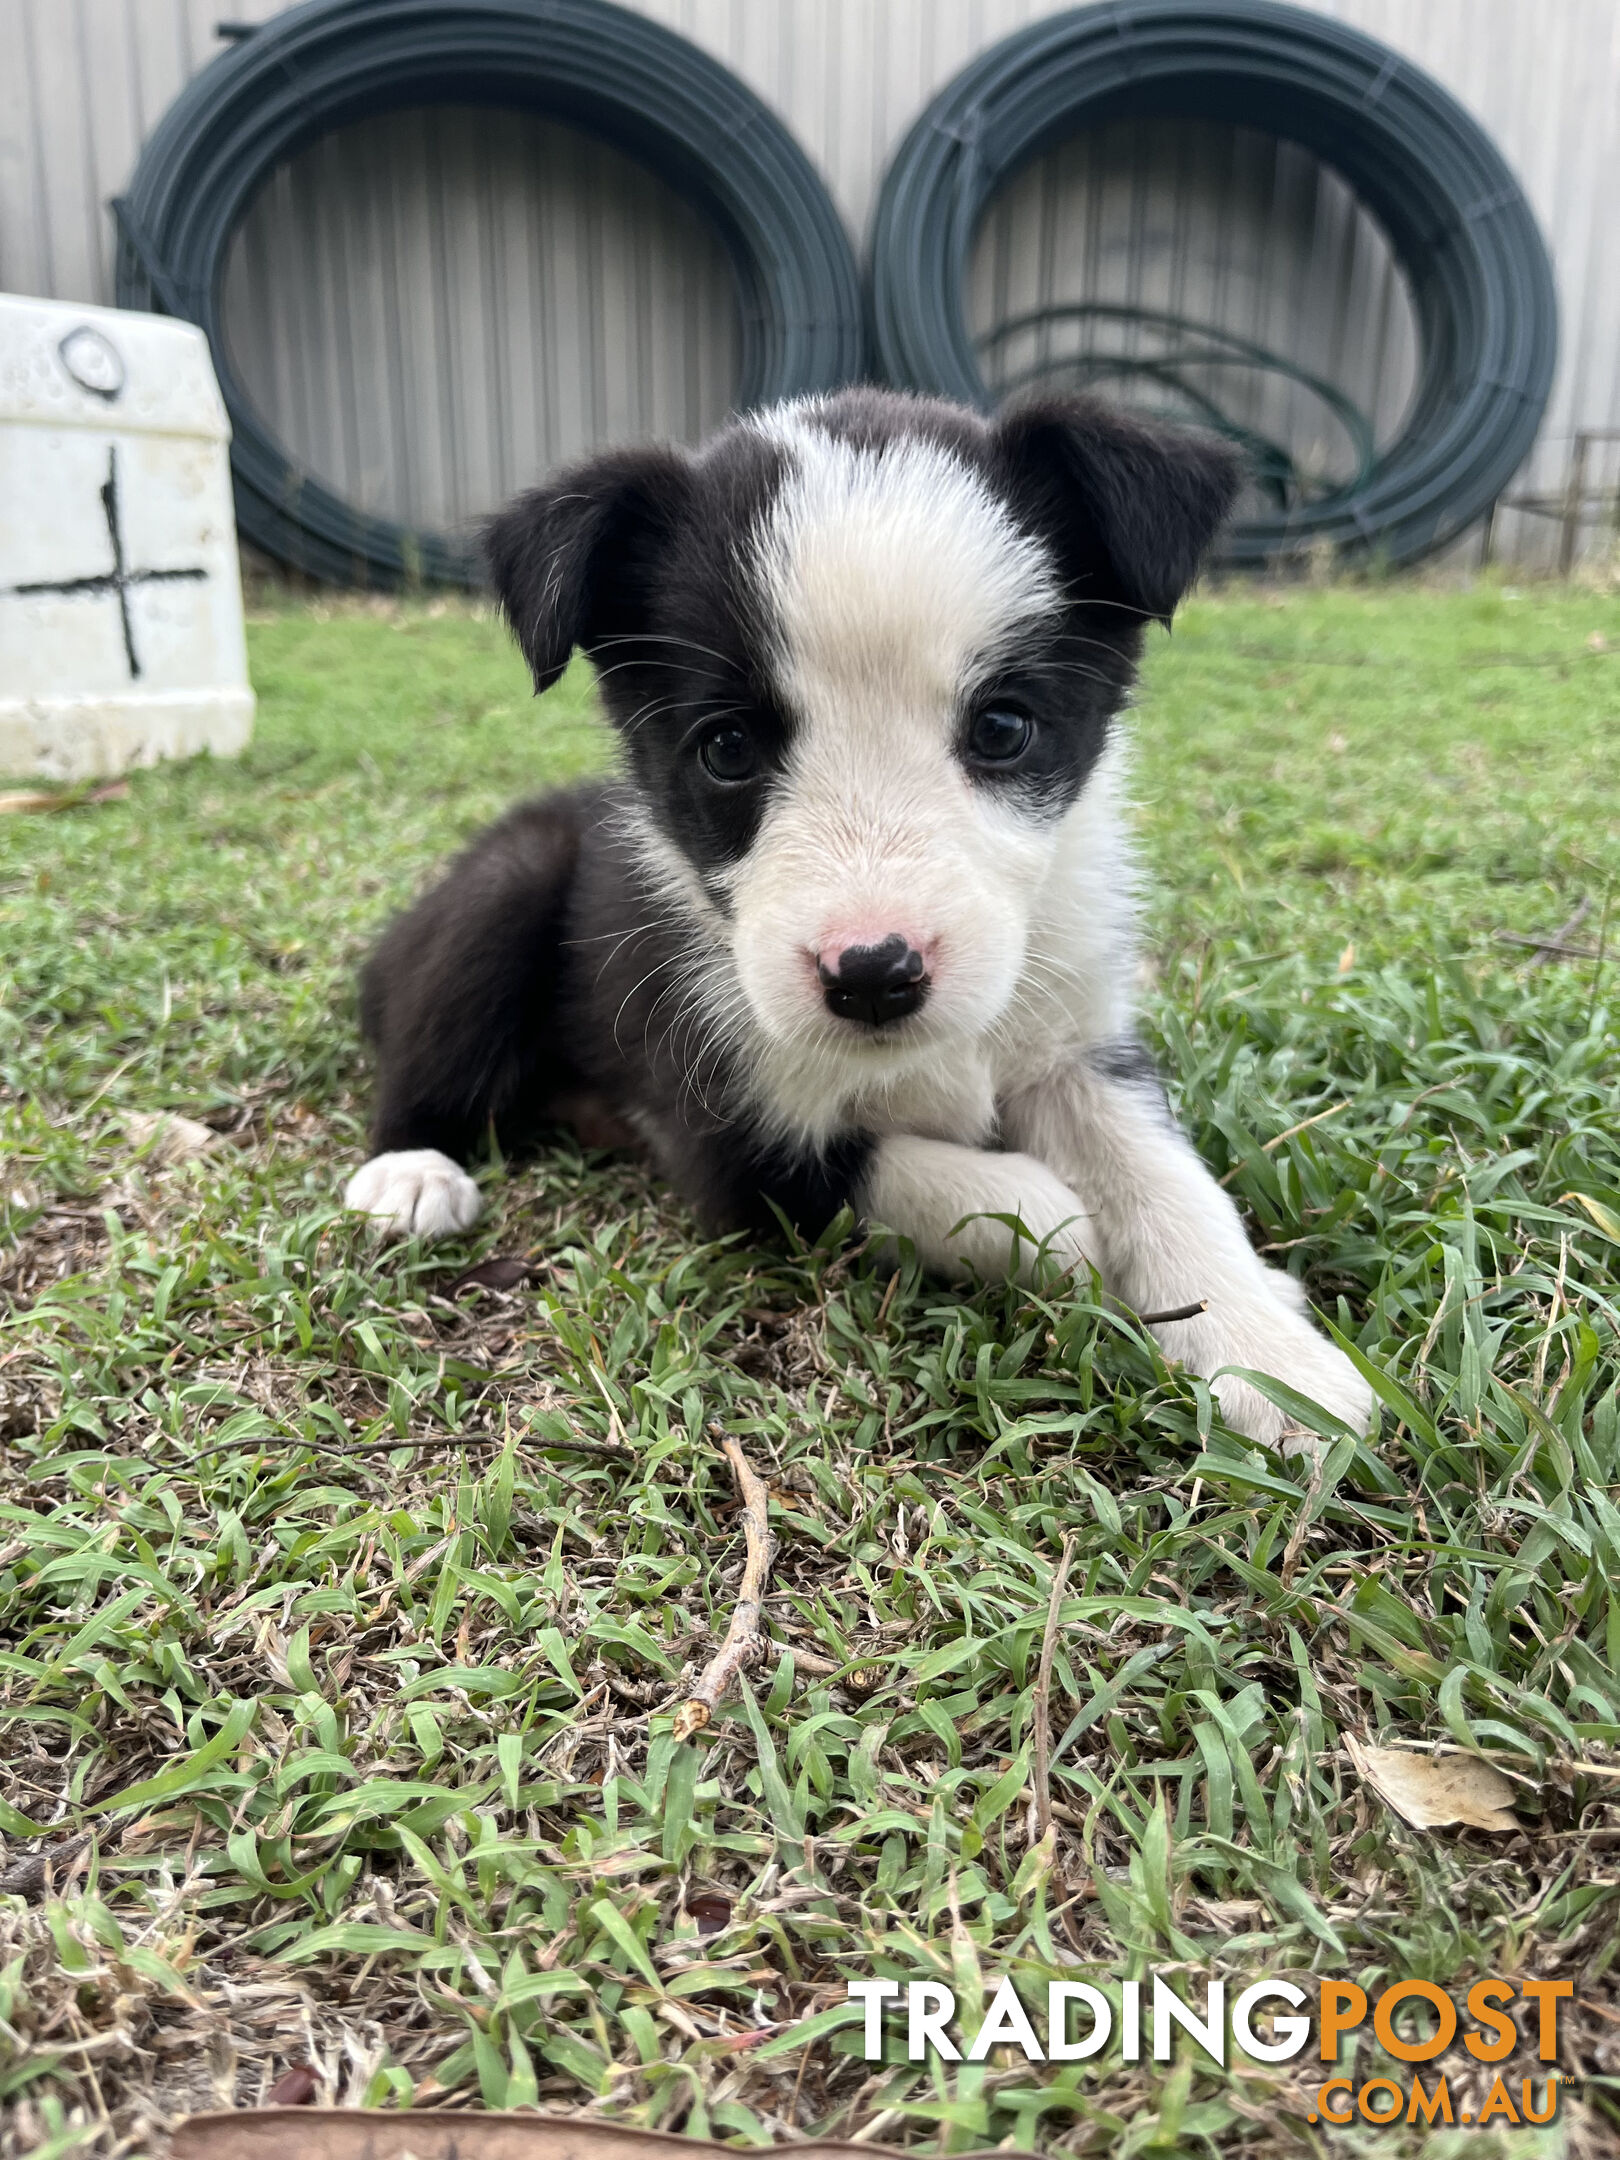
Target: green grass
359,1670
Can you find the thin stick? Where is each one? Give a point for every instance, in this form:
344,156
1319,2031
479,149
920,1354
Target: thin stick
366,1450
1545,948
1176,1312
742,1647
1043,1694
1565,930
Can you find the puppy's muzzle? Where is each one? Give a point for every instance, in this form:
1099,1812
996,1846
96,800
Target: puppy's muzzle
875,984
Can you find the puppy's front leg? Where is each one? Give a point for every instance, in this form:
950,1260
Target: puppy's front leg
1167,1236
925,1188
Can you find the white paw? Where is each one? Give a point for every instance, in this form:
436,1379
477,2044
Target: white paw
416,1192
1288,1290
1280,1342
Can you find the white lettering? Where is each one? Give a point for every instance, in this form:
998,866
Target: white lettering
1295,2031
1169,2009
929,2007
1005,2020
874,1993
1130,2024
1059,1995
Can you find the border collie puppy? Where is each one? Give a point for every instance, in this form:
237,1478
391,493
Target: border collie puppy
856,923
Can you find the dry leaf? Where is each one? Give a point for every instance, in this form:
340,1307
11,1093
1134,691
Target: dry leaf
426,2134
711,1911
1429,1791
296,2087
1347,959
172,1138
501,1272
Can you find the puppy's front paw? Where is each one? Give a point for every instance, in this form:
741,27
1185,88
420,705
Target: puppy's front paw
416,1192
1266,1335
1288,1348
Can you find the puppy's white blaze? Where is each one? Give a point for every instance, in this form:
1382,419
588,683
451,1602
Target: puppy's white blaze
414,1192
894,582
893,569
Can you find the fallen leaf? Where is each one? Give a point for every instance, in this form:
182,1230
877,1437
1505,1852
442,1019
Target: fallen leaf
711,1911
1347,959
1430,1791
502,1271
168,1137
426,2134
294,2088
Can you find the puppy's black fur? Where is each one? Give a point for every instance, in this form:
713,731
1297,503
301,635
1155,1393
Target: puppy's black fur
536,973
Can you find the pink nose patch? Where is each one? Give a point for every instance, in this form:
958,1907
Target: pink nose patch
854,940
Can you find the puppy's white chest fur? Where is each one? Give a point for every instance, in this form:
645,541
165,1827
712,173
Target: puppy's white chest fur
1063,986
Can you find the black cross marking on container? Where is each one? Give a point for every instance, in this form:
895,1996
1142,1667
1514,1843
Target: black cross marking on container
120,578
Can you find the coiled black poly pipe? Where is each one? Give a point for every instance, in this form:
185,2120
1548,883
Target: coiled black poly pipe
650,93
1456,219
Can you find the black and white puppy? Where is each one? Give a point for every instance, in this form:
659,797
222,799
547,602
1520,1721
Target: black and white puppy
856,924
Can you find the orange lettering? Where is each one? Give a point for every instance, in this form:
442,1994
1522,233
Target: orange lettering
1364,2100
1334,2085
1549,1994
1415,2050
1483,1998
1344,2005
1422,2105
1497,2103
1549,2100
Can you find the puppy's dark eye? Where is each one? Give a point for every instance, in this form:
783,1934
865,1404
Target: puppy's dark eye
728,754
999,734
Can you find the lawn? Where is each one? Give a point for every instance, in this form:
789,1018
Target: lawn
346,1593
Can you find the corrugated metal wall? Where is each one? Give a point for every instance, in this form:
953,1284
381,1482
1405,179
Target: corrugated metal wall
1088,263
434,308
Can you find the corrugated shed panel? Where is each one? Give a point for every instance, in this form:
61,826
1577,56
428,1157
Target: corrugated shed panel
456,327
436,307
1090,263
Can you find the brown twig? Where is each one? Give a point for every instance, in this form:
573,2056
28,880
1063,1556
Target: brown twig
1043,1694
1176,1312
65,799
743,1646
30,1878
1548,948
1543,949
362,1450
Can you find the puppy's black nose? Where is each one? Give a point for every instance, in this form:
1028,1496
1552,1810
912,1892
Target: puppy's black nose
874,983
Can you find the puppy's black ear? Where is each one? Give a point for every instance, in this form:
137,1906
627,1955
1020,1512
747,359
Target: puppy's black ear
1129,504
572,562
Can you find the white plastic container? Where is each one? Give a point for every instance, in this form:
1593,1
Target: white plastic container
121,636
